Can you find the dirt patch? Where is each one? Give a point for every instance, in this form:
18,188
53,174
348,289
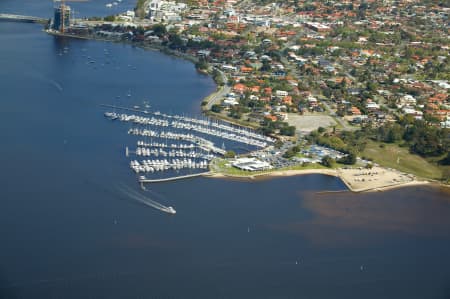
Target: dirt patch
308,123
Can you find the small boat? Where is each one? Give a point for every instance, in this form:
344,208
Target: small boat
171,210
109,5
111,115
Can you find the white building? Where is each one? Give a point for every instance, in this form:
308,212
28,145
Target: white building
411,111
281,93
165,10
405,101
251,164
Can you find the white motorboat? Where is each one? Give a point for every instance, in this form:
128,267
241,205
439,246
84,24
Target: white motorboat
171,210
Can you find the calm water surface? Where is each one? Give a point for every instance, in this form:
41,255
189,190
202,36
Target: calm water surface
67,229
43,8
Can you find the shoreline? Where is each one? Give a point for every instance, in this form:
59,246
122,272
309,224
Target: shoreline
156,48
329,172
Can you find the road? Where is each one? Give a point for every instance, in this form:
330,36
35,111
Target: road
218,95
338,119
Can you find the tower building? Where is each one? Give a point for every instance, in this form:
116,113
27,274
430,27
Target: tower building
61,17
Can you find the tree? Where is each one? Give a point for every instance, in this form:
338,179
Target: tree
217,76
235,112
110,18
288,130
326,92
176,43
395,133
230,154
159,30
446,160
140,11
446,175
266,67
327,161
349,159
371,86
216,108
278,143
426,141
289,154
202,64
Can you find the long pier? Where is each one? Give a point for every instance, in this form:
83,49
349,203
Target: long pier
174,178
21,18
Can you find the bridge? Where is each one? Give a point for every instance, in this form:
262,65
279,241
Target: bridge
21,18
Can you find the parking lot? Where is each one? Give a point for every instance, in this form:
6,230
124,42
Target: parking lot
311,154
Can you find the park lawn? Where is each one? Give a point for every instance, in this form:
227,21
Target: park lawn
394,156
300,155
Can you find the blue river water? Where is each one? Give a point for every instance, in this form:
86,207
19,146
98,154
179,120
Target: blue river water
69,230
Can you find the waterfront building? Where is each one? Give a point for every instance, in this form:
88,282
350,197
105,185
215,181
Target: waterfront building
251,164
61,18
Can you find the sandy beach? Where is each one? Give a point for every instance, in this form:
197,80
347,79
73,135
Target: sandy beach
376,179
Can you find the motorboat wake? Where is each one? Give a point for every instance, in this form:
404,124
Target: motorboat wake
147,201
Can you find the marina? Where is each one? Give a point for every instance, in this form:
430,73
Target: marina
201,142
206,127
163,165
165,145
172,142
147,152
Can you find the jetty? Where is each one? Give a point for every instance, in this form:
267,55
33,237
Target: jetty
22,18
181,177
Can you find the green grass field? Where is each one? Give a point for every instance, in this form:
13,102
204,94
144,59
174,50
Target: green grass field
393,156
